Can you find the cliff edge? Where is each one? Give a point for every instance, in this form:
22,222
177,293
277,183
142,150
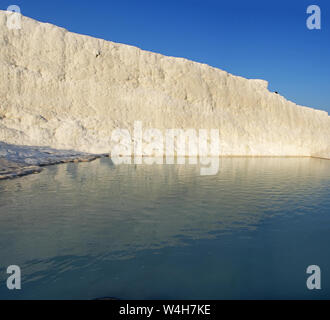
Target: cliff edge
69,91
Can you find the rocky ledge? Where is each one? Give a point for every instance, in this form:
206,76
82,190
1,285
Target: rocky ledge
17,161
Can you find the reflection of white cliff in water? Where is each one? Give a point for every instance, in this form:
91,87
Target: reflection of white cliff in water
98,209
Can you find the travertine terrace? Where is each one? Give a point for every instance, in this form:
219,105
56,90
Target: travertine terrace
69,91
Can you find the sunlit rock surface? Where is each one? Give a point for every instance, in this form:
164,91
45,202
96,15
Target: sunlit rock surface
70,91
17,161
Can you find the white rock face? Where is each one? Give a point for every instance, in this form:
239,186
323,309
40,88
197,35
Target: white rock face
70,91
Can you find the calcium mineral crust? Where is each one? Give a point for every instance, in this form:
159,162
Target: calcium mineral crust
17,161
69,91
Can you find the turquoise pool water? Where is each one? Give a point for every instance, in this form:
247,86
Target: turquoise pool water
88,230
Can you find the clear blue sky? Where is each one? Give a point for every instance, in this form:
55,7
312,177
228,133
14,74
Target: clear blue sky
251,38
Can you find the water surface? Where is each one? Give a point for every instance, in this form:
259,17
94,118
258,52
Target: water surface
88,230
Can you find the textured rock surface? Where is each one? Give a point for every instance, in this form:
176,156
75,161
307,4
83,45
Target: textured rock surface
70,91
16,161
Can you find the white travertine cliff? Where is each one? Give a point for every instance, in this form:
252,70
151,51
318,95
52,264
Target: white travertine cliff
69,91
